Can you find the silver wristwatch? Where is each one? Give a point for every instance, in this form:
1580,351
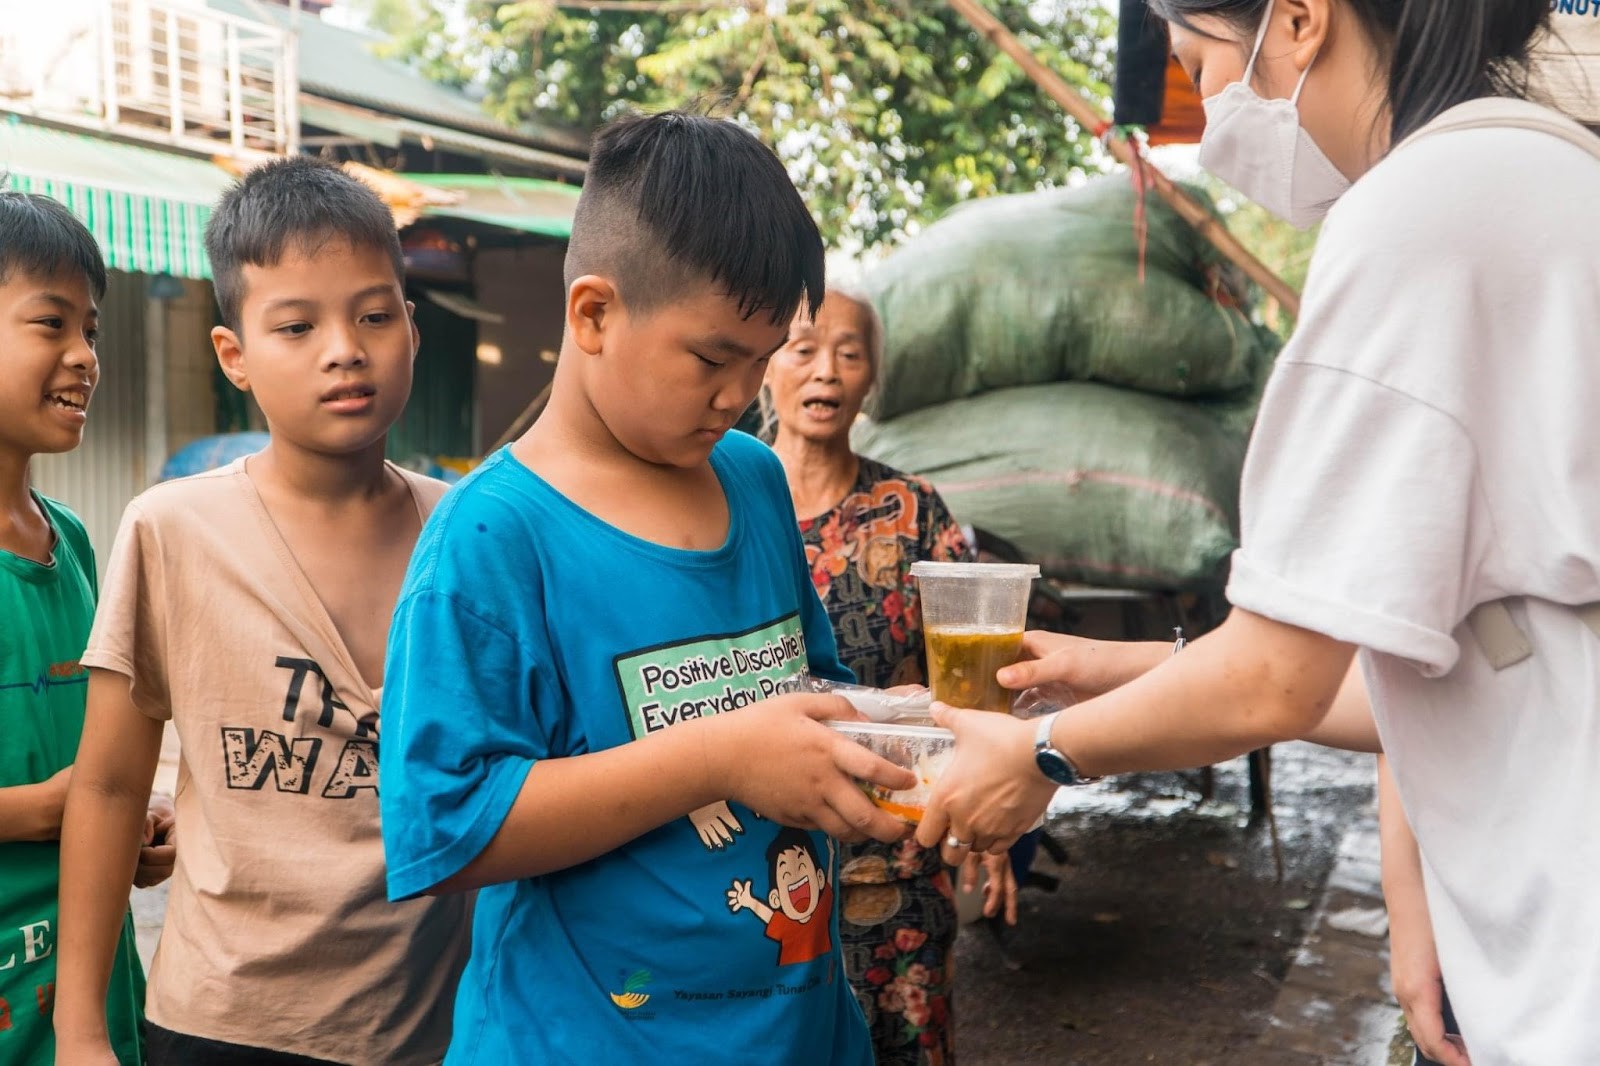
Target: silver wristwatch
1051,762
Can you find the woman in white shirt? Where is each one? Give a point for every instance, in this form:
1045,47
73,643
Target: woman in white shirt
1427,445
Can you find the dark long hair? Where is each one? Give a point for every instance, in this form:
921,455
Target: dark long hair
1440,53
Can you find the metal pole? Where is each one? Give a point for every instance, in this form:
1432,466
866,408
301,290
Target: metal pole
291,78
174,74
235,89
1090,118
108,64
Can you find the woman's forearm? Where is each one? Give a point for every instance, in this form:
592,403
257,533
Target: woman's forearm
1250,683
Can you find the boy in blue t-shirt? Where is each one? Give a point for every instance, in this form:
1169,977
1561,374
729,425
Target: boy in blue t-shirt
581,613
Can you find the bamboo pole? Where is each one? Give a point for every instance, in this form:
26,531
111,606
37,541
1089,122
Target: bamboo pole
1089,117
529,415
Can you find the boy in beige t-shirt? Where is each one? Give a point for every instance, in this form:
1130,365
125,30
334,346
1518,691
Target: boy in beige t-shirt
251,606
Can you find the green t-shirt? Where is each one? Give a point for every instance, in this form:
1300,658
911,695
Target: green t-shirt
45,615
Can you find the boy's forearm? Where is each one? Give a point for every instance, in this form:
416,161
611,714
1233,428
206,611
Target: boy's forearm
99,850
100,839
29,813
574,809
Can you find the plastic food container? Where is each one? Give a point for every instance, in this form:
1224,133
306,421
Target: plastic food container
881,706
923,749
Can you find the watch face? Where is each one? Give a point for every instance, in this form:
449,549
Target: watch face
1054,766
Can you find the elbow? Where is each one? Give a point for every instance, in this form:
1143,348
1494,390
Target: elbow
1277,709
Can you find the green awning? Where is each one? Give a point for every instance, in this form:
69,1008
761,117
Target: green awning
527,205
147,208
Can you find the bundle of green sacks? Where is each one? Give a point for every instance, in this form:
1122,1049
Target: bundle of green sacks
1092,420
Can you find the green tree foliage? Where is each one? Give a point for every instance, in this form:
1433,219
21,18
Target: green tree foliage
887,112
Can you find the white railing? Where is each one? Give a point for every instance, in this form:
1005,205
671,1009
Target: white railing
199,74
170,70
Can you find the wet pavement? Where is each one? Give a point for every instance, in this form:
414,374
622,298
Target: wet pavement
1170,939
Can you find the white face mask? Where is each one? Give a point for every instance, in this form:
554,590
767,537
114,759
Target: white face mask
1258,147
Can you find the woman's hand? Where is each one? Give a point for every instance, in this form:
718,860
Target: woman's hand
1084,667
991,793
999,890
1413,955
1419,986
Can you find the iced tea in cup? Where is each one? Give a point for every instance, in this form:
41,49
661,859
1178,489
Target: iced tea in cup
973,615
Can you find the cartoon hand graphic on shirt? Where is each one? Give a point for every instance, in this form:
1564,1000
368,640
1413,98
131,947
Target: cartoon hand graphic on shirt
716,824
742,897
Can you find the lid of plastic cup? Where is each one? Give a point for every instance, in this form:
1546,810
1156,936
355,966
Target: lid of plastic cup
975,571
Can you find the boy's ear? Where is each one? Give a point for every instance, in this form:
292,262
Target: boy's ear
591,305
230,356
416,334
773,901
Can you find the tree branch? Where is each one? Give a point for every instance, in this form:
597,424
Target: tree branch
1090,118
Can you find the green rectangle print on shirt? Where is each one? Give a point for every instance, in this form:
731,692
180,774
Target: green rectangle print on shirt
665,685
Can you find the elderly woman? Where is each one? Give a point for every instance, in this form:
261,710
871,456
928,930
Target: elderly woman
864,524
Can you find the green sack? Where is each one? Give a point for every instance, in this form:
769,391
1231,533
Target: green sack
1096,484
1044,287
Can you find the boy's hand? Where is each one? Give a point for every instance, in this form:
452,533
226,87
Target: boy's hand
160,850
778,759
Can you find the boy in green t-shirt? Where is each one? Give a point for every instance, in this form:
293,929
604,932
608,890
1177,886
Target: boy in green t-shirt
51,275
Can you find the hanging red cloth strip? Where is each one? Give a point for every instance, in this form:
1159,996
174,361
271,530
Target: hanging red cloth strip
1141,186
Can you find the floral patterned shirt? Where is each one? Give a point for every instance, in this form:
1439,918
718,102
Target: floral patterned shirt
861,554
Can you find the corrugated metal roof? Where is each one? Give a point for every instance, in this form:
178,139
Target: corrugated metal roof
341,64
527,205
147,209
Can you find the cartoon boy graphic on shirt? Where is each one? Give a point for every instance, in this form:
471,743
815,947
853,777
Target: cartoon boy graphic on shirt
798,911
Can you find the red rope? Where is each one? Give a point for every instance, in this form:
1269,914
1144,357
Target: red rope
1141,218
1104,131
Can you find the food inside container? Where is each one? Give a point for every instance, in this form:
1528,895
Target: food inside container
963,662
923,749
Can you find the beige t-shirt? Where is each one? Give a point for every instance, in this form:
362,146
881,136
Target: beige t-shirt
278,931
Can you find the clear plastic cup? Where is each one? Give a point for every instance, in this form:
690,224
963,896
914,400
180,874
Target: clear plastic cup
973,616
922,749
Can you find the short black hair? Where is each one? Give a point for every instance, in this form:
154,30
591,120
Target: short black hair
1435,55
301,201
678,199
788,839
40,238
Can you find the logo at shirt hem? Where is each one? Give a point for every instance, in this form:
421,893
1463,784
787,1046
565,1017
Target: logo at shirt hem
631,997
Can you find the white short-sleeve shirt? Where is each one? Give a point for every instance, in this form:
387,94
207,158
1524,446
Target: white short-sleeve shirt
1430,441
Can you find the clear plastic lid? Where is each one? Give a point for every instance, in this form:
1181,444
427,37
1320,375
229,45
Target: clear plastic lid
892,729
977,571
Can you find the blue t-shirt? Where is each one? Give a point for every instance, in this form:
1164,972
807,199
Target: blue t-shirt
530,629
